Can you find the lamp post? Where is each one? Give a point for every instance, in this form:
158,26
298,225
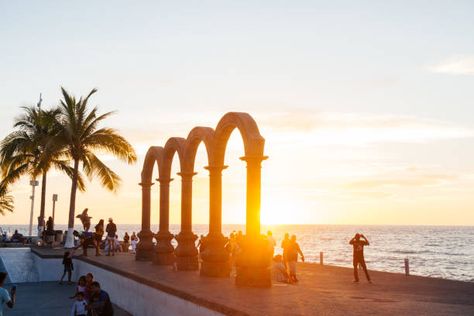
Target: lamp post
33,184
55,199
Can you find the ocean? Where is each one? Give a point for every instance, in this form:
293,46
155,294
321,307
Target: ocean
433,251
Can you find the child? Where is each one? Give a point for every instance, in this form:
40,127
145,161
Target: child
79,305
68,267
134,239
81,286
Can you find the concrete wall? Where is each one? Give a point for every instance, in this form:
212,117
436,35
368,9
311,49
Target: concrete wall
23,265
139,299
19,264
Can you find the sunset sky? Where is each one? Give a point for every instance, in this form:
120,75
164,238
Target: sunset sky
367,107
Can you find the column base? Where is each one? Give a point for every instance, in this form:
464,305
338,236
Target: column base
215,257
254,277
164,251
186,252
253,265
144,250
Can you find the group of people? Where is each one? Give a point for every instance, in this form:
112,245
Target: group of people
284,266
90,299
112,243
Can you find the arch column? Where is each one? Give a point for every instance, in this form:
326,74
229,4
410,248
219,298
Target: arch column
215,257
186,251
145,245
254,262
164,251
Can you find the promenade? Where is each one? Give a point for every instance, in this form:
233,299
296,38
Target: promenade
322,290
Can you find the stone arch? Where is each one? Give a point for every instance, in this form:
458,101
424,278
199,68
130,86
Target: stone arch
195,137
154,156
172,146
253,141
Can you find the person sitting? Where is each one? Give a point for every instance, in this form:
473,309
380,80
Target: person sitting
79,305
100,303
17,237
278,270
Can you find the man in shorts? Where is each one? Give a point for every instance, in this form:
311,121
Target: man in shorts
111,230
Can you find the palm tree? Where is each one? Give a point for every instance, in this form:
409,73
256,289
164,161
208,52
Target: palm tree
31,150
6,200
83,138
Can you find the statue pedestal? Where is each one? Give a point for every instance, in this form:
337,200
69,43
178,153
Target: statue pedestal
253,264
186,252
164,251
144,246
215,257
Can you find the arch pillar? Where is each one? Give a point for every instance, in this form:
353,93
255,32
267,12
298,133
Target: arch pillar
164,251
253,265
145,244
215,257
186,251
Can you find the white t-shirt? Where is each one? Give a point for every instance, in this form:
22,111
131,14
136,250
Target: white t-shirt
79,308
4,298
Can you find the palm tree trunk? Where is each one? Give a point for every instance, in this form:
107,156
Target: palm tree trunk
72,207
42,205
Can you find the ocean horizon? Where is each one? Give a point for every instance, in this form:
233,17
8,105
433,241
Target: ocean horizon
433,251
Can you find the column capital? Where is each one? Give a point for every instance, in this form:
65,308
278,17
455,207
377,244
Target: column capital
187,174
146,184
216,168
253,158
164,180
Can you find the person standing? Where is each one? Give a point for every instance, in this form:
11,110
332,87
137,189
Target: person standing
285,243
134,240
126,242
292,257
6,298
68,267
99,232
358,242
111,230
271,242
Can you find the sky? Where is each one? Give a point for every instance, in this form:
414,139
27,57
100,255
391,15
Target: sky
366,107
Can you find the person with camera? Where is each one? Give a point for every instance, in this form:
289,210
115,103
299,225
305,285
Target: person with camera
6,298
358,242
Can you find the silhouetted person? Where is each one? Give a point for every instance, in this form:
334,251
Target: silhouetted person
293,250
358,245
271,242
68,267
126,242
50,225
99,232
285,243
85,219
111,230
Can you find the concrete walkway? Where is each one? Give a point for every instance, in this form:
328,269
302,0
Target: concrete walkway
322,290
45,298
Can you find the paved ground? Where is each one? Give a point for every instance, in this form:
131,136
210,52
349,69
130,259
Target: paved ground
45,298
323,290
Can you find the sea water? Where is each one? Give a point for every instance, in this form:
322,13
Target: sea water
434,251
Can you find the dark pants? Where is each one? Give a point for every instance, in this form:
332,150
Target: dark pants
359,260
